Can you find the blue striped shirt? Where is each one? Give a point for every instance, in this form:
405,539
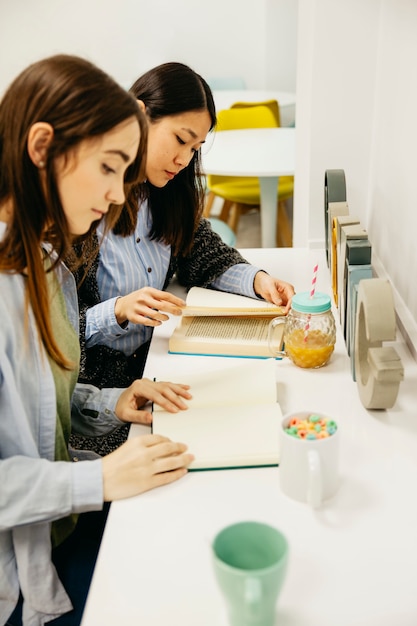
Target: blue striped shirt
130,263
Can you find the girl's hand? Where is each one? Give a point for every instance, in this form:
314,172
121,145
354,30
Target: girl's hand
143,463
273,290
147,307
169,396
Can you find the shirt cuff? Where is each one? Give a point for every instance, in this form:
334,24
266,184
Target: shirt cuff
101,322
238,279
93,410
87,486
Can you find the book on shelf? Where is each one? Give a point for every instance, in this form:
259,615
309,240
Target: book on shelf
224,324
232,420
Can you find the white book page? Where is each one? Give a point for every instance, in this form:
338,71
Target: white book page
245,330
199,297
240,383
234,436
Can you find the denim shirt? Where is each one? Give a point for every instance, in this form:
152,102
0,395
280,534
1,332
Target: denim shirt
34,489
130,263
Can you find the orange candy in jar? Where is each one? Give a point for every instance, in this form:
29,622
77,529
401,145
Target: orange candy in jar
310,332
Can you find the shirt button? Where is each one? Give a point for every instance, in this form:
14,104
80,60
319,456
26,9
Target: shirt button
138,240
149,270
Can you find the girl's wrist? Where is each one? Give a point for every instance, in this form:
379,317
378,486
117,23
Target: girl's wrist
118,313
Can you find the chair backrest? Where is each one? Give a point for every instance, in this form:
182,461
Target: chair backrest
259,116
272,104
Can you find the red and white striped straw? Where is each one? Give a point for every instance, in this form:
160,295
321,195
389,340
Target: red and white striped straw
307,328
312,292
314,280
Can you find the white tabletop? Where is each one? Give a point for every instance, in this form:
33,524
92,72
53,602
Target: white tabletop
263,152
224,98
352,563
250,152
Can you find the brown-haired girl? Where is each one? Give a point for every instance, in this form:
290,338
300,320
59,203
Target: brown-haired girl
71,145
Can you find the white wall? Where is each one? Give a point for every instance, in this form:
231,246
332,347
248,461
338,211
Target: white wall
356,110
127,37
392,210
281,44
335,105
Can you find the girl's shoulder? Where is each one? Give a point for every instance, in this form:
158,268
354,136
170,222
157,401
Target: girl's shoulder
12,284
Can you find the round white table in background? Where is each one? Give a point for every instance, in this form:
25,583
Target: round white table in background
267,153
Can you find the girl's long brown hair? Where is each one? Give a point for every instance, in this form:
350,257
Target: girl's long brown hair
81,103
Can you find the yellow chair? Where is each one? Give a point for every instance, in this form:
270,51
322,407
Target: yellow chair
242,193
271,104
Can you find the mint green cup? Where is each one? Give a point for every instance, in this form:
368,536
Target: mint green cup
250,563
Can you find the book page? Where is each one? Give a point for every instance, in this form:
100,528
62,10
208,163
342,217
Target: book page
239,383
201,301
227,437
246,336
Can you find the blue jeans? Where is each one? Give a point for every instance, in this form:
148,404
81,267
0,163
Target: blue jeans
74,560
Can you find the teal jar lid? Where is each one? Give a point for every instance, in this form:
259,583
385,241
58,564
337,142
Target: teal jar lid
319,303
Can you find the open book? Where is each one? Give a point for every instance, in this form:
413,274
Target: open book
233,419
224,324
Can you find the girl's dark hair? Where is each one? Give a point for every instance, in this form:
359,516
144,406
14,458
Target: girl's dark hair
81,103
171,89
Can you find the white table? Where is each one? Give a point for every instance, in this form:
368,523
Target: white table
351,563
267,153
224,98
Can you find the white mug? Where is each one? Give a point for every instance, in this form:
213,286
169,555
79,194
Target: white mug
308,469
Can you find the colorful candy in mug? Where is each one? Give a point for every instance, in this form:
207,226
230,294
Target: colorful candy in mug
312,427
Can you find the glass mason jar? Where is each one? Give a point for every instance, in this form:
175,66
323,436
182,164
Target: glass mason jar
309,331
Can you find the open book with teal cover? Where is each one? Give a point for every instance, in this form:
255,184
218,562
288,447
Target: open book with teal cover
233,419
224,324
